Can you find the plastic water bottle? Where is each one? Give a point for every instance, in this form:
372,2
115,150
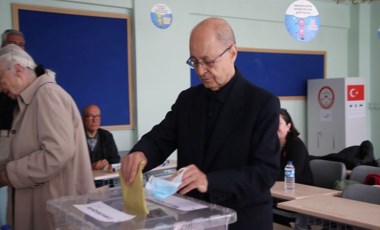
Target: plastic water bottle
289,180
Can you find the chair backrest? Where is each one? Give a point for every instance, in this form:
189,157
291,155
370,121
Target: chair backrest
362,192
326,173
360,172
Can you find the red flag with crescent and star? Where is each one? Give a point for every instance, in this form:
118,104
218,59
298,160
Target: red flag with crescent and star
355,92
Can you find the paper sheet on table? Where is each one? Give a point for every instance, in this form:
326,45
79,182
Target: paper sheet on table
179,203
133,195
103,212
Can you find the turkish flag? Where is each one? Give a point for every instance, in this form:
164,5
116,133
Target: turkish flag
355,92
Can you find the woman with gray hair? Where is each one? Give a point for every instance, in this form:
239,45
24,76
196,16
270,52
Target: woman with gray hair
49,156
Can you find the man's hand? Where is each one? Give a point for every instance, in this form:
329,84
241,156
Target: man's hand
130,165
193,178
100,164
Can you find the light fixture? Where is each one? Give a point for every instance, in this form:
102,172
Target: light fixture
354,1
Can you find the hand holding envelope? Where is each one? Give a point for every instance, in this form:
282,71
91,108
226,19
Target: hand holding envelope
133,194
159,188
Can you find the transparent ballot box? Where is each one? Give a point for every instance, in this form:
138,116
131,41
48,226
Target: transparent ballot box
161,215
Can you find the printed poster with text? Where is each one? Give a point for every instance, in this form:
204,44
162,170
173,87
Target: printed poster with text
302,20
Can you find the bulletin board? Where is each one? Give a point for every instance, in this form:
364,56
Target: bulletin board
90,52
282,72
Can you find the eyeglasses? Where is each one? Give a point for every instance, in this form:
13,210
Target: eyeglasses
93,117
193,63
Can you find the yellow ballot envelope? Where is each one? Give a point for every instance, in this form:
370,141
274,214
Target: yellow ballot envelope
133,195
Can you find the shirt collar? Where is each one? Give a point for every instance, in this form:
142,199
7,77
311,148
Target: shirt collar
222,93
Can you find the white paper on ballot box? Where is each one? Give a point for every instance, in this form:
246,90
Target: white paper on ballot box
103,212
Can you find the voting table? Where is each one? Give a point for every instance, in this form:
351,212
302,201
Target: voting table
337,211
169,167
181,212
111,177
300,192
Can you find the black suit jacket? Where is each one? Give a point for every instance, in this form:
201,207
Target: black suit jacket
242,160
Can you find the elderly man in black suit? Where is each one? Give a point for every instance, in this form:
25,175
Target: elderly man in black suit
225,131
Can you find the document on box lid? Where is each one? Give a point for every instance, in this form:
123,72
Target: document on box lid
103,212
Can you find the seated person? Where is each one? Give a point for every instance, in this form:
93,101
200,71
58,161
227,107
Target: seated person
293,149
101,145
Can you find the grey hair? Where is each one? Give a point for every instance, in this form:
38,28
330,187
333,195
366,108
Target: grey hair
12,54
5,34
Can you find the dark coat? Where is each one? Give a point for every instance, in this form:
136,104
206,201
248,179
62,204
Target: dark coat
105,148
241,162
352,156
7,106
296,151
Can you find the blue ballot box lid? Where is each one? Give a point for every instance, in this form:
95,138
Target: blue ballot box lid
161,215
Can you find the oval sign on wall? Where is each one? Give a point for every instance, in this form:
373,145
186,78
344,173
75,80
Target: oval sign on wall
302,20
161,16
326,97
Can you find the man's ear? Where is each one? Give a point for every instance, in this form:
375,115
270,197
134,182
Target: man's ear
234,52
18,69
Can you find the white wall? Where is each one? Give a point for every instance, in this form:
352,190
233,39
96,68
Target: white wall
374,57
347,34
344,35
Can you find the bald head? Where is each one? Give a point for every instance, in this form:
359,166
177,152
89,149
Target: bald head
215,29
89,108
213,52
91,119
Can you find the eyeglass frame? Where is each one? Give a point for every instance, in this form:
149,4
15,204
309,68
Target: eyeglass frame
93,117
208,63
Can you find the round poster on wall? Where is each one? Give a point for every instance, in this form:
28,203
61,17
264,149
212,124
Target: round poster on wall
161,16
302,20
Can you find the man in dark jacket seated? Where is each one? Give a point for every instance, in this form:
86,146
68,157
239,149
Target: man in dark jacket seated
101,145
